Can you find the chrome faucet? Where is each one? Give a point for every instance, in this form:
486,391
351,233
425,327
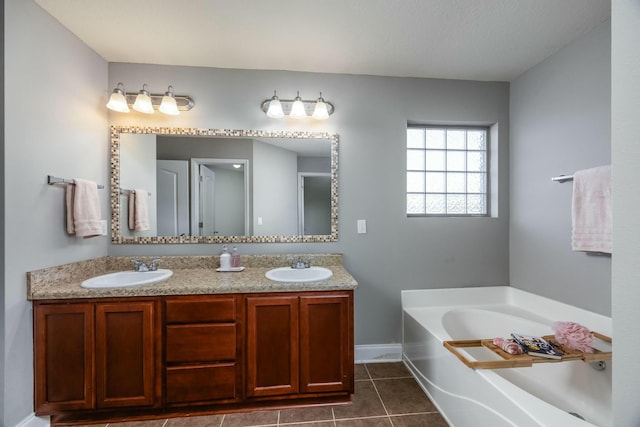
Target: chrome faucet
142,267
300,262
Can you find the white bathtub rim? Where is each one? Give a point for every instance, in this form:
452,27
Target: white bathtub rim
486,296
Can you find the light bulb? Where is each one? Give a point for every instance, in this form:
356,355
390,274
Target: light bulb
275,108
320,112
118,100
297,109
143,101
169,105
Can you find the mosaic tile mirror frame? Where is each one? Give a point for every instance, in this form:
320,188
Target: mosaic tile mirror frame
134,160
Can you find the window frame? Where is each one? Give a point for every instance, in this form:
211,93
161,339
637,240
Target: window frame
487,129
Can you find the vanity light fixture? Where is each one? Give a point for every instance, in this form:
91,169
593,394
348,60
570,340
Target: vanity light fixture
275,107
169,105
237,166
145,102
320,111
297,108
118,100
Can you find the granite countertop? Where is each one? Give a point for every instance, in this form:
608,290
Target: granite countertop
191,276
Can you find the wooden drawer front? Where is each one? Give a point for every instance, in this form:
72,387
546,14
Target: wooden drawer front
201,310
201,384
201,343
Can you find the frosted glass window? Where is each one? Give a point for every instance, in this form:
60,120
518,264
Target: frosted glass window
476,161
415,138
435,204
447,171
434,138
415,160
415,203
455,182
476,183
415,182
436,160
456,204
435,182
455,161
476,140
455,139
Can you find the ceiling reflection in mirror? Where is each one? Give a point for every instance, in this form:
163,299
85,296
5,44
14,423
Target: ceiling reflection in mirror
224,186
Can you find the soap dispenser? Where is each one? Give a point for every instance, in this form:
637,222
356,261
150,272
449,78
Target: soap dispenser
235,257
225,259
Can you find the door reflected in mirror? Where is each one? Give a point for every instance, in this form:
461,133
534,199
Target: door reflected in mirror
210,186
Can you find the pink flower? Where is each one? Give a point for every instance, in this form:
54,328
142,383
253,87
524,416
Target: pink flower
574,336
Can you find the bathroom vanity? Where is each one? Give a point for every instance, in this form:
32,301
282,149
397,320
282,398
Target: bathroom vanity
199,341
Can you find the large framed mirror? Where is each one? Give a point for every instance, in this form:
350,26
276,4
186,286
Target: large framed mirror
224,186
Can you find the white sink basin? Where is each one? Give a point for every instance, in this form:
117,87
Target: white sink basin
123,279
288,274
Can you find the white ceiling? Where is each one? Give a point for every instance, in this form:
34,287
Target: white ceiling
494,40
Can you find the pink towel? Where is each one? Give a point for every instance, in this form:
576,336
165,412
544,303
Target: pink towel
83,209
591,210
139,210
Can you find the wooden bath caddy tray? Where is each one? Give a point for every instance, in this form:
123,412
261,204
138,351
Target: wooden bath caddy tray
523,360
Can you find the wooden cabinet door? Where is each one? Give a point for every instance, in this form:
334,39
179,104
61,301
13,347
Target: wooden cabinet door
326,343
125,354
63,353
272,345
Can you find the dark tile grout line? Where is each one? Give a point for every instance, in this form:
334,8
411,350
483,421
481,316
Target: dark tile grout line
379,397
334,420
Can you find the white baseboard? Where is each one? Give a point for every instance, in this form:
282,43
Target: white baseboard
32,421
377,353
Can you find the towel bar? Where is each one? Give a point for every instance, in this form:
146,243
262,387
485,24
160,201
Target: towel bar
562,178
52,180
127,191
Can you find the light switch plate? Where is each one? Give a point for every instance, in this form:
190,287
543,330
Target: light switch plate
362,226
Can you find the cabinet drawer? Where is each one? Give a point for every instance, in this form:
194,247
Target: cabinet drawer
201,310
201,383
200,343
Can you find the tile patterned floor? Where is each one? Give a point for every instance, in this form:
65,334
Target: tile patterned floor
386,395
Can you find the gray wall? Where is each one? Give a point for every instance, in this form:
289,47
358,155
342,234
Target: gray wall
625,63
397,252
56,125
560,123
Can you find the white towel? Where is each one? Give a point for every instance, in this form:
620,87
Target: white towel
69,196
83,209
139,210
591,210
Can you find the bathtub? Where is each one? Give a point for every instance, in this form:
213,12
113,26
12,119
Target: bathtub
546,394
